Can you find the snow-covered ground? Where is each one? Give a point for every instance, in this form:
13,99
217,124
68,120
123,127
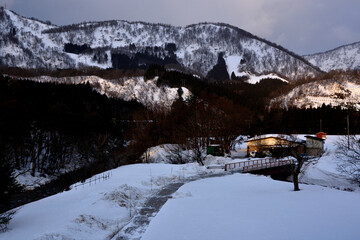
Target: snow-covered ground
244,206
98,210
325,170
229,207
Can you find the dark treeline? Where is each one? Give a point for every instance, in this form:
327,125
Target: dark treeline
252,96
51,128
77,49
332,120
103,73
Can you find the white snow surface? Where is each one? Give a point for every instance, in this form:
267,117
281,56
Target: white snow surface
243,206
230,207
96,210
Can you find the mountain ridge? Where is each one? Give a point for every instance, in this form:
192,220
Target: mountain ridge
29,43
343,57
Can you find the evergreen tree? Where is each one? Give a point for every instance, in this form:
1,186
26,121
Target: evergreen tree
8,187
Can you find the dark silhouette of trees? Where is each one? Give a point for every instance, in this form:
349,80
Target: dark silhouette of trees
8,187
219,71
46,127
77,49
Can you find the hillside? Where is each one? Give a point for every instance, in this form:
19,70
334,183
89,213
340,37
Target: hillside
343,93
29,43
128,89
344,57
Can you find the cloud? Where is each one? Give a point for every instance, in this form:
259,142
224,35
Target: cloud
344,34
7,3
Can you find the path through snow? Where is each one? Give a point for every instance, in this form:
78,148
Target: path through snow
138,225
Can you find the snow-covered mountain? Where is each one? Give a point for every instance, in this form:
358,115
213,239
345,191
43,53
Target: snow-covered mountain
344,57
30,43
332,92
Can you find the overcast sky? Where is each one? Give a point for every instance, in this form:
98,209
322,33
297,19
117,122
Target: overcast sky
302,26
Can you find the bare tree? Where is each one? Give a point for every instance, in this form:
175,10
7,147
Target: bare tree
348,152
292,147
177,154
5,219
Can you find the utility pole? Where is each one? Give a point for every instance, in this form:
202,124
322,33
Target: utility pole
183,82
348,130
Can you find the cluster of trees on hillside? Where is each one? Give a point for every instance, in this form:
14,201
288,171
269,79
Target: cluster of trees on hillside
110,74
48,128
332,120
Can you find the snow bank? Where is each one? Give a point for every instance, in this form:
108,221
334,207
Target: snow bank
325,170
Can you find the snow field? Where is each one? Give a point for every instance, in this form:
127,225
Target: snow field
98,210
244,206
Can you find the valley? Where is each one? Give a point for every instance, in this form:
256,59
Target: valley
105,128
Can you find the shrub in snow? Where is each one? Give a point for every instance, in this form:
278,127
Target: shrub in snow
125,196
169,153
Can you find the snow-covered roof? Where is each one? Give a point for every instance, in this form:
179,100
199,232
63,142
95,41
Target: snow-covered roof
292,138
315,138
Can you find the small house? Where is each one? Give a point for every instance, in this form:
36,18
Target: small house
275,145
314,146
215,150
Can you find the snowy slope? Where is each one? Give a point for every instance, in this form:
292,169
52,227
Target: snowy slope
233,64
96,210
29,43
24,45
325,171
131,89
314,94
344,57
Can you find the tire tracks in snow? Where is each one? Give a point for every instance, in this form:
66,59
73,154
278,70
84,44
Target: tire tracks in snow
139,223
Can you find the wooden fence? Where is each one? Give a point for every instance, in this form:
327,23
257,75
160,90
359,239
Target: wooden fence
94,180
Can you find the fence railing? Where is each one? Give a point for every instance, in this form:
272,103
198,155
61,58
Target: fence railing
94,180
251,165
